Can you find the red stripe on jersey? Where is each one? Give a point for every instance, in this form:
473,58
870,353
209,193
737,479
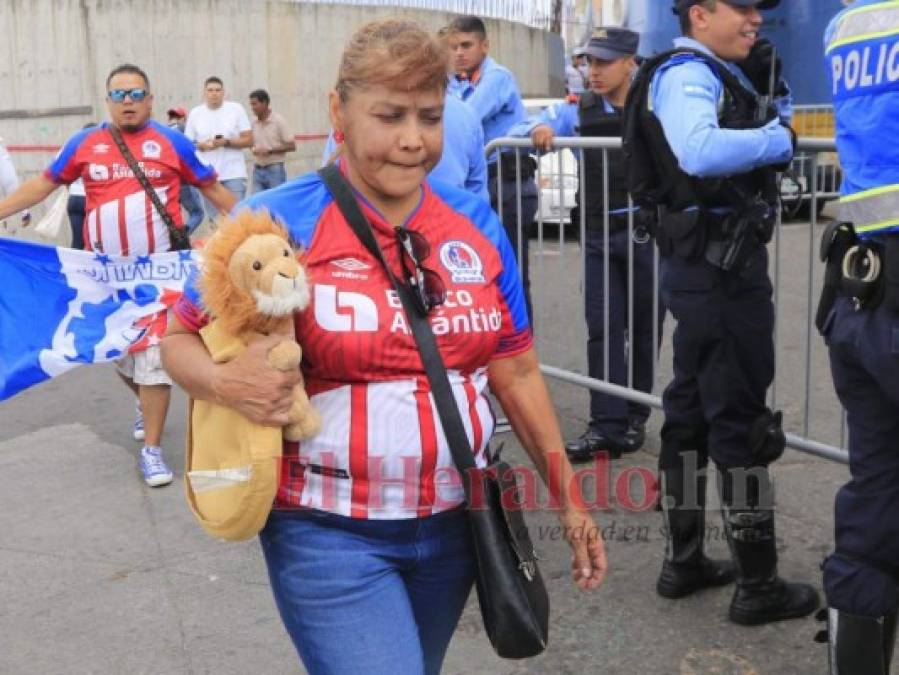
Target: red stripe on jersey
427,493
359,449
149,209
123,228
292,477
477,431
99,242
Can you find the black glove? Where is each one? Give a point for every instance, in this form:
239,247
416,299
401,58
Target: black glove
757,67
786,165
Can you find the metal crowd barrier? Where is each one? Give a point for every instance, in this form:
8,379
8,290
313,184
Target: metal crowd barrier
802,388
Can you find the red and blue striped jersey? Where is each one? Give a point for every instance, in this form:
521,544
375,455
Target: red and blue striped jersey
120,218
382,453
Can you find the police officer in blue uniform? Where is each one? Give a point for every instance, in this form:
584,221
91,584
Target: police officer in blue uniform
491,91
703,145
616,425
859,317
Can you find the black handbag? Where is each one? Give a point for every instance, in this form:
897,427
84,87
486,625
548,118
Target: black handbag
178,236
511,593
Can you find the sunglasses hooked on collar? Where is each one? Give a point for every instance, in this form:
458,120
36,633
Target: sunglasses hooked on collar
428,289
136,95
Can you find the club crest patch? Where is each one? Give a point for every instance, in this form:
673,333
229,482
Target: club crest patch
462,262
151,150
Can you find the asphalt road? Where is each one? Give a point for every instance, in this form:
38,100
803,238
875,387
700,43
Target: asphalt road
100,574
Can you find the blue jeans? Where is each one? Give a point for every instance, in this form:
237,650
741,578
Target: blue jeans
381,597
237,186
75,209
267,177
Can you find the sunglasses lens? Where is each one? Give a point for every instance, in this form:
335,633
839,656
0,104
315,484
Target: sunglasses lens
420,245
434,289
136,95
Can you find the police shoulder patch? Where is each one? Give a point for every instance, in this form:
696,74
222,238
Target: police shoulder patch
696,89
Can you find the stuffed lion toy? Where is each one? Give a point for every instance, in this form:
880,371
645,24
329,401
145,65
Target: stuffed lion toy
251,285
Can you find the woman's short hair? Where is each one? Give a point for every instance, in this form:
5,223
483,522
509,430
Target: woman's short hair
395,53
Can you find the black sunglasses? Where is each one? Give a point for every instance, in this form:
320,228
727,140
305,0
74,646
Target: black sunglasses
428,288
136,95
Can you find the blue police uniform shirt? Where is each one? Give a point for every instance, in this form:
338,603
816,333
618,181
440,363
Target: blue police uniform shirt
685,95
863,66
563,119
494,97
462,163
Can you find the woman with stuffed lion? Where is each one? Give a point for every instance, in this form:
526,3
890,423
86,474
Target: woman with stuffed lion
368,547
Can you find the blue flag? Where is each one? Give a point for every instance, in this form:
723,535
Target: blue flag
60,307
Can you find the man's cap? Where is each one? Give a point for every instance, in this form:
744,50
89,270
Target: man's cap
176,112
681,6
610,43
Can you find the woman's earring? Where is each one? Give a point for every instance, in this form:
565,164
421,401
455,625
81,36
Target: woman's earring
338,137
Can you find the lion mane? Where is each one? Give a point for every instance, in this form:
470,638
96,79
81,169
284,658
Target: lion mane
236,308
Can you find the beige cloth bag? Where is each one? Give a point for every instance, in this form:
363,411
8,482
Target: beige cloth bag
232,465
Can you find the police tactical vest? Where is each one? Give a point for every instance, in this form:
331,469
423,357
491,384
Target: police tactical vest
595,122
654,174
863,59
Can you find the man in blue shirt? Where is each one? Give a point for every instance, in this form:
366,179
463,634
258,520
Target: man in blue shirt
616,425
704,143
492,93
860,323
462,163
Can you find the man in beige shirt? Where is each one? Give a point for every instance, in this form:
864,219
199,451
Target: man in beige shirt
272,140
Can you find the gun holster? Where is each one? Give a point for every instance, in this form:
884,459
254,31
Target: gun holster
837,239
740,235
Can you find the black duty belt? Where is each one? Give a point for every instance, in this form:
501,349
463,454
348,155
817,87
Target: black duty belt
618,222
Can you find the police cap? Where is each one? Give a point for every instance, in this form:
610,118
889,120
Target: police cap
681,6
608,44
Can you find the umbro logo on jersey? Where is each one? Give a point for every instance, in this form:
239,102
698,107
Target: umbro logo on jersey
98,172
351,264
101,149
343,311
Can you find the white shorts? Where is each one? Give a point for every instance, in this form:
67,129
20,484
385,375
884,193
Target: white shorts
144,367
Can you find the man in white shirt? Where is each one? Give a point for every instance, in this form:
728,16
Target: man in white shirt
9,181
220,130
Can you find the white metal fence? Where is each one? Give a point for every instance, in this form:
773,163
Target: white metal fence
802,388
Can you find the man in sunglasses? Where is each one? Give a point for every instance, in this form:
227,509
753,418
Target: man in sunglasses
121,219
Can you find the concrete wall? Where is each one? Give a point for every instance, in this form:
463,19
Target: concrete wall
55,54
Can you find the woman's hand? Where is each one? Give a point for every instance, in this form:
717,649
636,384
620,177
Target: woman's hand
588,561
250,385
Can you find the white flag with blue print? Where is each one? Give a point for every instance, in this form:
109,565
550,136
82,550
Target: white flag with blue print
61,307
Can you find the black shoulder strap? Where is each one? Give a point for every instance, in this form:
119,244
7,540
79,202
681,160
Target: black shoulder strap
447,409
174,232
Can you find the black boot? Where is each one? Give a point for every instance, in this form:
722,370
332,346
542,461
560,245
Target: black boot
860,645
588,444
761,596
686,569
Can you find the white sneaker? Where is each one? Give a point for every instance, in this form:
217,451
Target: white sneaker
138,423
154,469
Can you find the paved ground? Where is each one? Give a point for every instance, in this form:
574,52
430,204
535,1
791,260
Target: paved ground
99,574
